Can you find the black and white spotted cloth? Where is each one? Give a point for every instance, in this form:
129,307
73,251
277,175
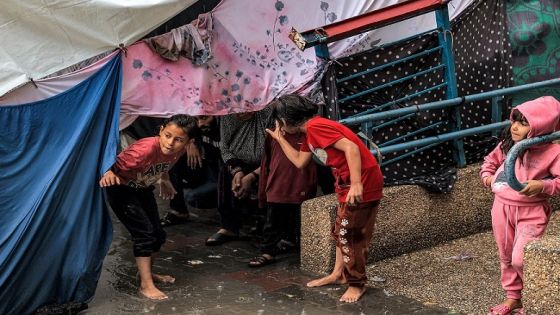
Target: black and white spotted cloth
483,63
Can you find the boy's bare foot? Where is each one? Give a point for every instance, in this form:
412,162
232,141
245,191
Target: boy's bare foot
353,294
330,279
153,293
163,278
158,278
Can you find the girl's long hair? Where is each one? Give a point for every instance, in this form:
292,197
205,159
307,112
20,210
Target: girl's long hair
293,109
506,140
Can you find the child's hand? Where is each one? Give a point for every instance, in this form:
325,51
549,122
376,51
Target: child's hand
533,188
166,189
276,134
109,179
355,194
487,181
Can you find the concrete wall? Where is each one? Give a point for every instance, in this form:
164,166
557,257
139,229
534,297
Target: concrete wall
542,272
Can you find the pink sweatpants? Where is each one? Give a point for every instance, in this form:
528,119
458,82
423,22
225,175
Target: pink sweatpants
514,227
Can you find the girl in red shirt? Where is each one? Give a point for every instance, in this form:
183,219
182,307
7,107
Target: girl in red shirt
358,184
130,184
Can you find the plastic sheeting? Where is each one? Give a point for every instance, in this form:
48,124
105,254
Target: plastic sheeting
41,37
54,228
253,60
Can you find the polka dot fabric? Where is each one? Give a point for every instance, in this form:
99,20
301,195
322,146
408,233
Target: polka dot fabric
482,60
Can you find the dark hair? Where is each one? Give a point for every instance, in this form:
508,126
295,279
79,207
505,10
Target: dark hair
506,140
186,122
294,109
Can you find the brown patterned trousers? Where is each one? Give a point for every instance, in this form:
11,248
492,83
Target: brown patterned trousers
352,232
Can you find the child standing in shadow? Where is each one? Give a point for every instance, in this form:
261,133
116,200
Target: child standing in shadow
282,188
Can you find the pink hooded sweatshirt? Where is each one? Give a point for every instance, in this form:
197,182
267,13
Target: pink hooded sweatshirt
539,162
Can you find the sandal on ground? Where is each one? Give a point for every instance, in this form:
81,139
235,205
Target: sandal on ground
172,219
260,261
521,311
500,309
220,238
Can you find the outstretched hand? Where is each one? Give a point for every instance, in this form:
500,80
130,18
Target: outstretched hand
110,179
533,188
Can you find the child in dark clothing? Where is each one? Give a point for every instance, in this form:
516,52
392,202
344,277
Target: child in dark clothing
130,183
282,187
358,184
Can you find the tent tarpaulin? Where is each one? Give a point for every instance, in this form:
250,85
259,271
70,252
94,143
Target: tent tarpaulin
253,60
41,37
55,229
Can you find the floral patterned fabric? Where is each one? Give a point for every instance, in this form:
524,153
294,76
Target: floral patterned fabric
253,60
482,60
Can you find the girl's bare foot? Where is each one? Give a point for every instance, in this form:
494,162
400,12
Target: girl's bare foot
163,278
353,294
330,279
153,293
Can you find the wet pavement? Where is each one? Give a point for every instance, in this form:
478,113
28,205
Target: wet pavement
216,280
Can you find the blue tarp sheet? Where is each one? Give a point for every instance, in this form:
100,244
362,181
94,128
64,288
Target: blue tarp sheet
55,229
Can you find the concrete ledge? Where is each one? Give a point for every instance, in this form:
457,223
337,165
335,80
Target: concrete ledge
542,272
409,219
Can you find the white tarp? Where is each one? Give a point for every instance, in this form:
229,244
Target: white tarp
253,59
40,37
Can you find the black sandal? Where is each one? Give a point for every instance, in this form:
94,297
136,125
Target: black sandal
260,261
172,219
220,238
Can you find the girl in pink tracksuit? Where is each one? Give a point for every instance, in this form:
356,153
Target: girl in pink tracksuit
520,217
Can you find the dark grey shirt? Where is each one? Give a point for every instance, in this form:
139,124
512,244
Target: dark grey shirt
244,139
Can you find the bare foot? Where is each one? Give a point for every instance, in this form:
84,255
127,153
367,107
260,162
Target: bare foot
353,294
158,278
153,293
163,278
330,279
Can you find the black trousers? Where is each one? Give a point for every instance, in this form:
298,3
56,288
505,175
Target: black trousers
202,181
234,211
137,210
282,222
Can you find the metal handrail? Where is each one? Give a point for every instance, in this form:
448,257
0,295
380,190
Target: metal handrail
441,138
448,103
518,150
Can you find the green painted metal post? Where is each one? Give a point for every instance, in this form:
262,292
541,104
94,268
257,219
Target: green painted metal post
322,51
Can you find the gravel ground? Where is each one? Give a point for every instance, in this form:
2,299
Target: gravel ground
462,275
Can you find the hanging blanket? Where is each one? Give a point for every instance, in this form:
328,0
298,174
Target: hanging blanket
54,228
